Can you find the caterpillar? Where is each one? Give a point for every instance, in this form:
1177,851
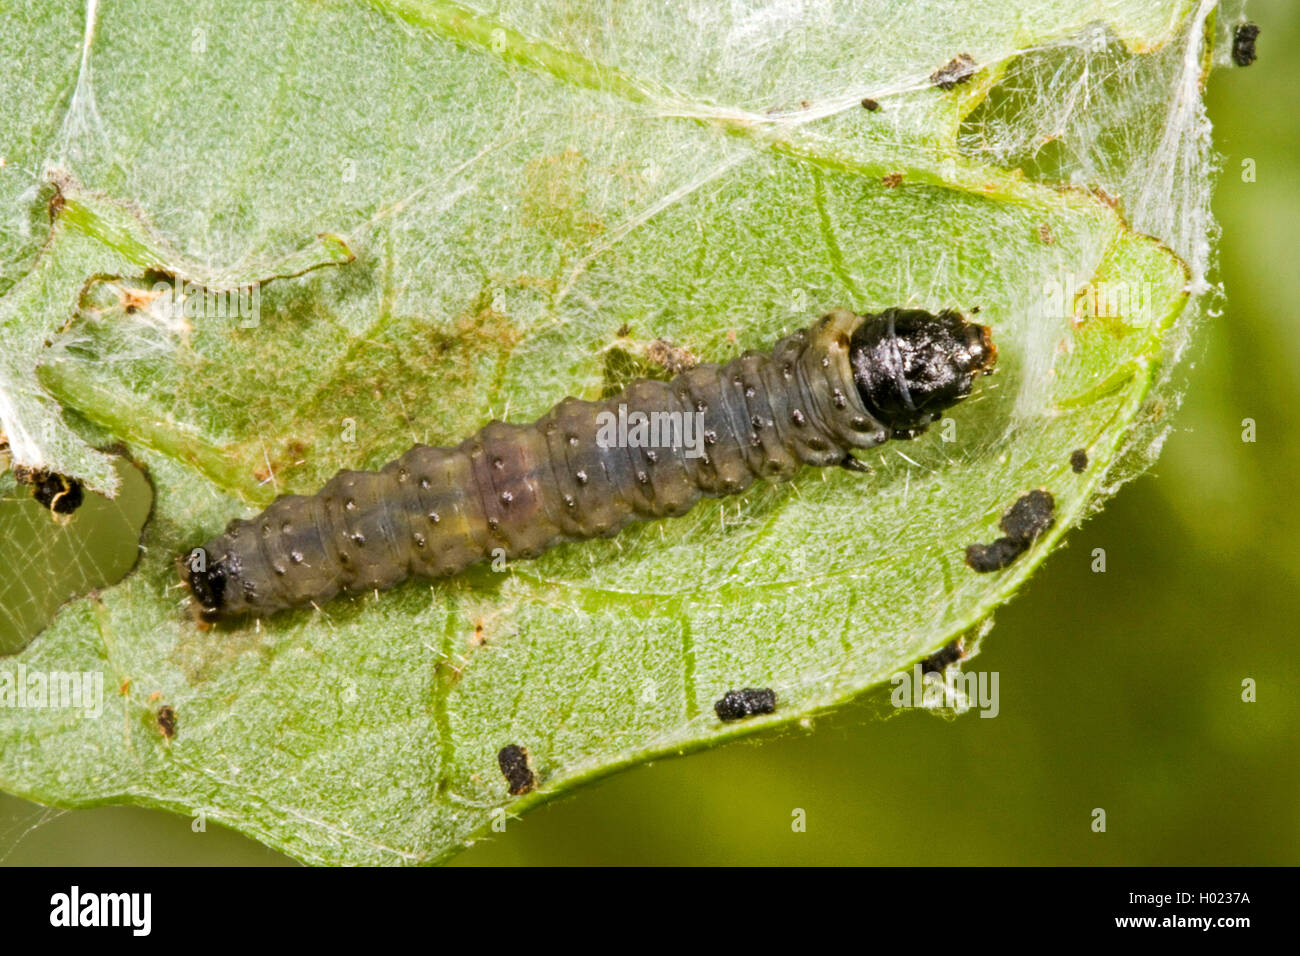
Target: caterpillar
587,469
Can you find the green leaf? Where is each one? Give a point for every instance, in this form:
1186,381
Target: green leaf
449,215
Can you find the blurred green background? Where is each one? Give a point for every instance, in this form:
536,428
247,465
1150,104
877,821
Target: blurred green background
1119,690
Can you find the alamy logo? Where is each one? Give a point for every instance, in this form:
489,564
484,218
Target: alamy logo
103,909
637,429
25,688
950,689
1130,301
188,300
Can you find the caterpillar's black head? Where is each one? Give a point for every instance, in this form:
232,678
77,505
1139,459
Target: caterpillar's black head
910,365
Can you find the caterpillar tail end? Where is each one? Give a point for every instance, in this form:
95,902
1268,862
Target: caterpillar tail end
207,586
